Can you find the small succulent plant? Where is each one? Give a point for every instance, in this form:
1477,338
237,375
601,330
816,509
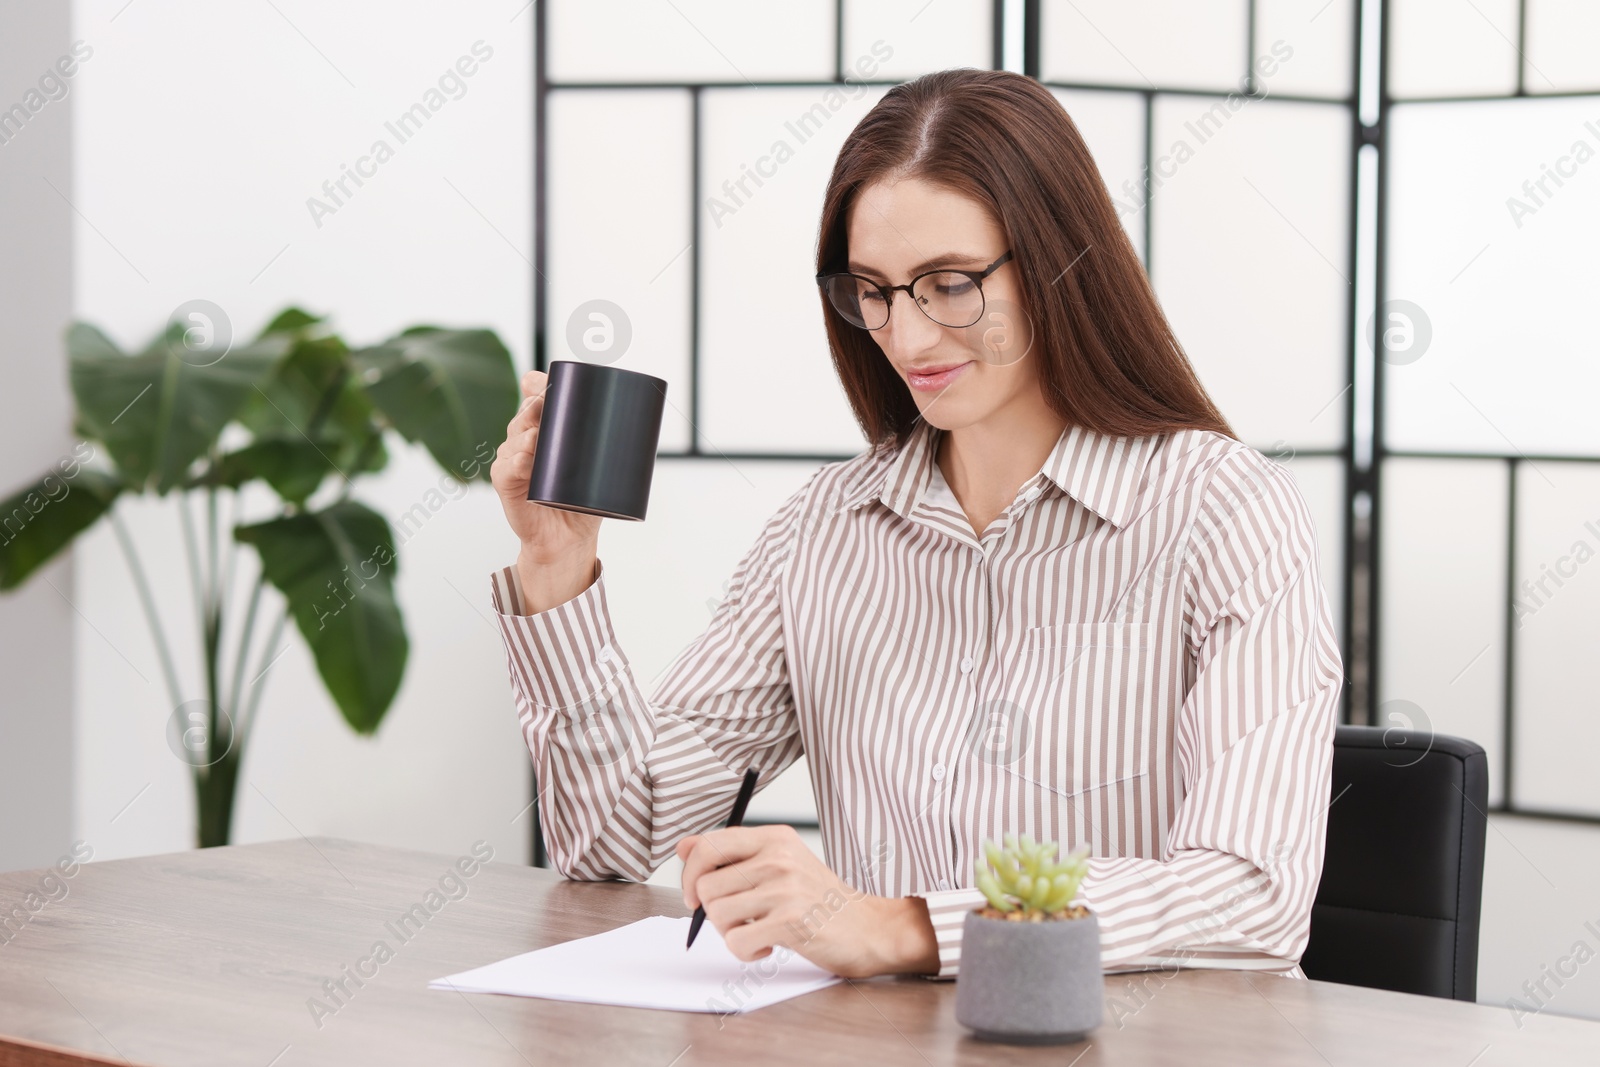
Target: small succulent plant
1028,882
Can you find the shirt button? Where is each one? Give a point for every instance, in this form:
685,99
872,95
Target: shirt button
605,654
966,665
944,883
1032,494
937,772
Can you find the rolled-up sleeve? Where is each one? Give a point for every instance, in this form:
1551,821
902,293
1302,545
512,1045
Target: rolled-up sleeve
622,777
1239,867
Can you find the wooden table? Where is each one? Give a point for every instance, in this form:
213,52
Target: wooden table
215,958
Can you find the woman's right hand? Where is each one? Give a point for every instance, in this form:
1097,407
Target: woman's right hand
548,535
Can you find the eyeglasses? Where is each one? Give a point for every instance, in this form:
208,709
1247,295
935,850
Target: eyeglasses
948,297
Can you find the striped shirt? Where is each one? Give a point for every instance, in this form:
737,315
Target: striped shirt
1136,656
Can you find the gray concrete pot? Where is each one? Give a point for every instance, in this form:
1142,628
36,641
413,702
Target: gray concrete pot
1030,983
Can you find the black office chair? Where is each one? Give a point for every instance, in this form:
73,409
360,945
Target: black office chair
1402,879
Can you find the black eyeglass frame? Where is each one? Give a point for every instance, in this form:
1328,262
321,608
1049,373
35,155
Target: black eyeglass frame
888,291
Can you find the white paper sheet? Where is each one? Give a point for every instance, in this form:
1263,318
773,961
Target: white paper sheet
644,965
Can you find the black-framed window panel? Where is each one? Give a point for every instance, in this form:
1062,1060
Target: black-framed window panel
1489,603
688,142
1250,256
1229,152
682,150
1491,48
618,261
682,155
1302,48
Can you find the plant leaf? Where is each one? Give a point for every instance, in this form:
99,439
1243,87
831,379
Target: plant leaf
294,466
41,519
336,568
313,396
992,892
155,413
452,390
307,390
291,320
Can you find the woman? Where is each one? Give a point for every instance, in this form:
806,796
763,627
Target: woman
1056,598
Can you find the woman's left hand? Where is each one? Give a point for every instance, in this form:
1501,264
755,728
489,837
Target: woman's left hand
762,887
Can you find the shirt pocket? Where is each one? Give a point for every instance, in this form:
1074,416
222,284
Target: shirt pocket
1086,733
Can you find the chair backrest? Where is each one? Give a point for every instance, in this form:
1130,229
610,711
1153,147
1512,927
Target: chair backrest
1402,878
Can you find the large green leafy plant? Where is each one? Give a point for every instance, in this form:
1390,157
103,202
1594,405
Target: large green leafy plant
301,412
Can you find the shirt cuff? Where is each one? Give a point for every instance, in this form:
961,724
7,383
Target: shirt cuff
562,656
947,908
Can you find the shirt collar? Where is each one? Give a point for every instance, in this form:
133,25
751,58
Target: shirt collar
1102,473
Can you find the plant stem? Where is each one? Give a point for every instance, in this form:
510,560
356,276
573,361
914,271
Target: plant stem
213,625
211,543
202,608
212,781
136,568
244,648
214,793
191,551
232,553
257,686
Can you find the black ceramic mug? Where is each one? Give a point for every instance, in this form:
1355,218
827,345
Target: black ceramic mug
597,440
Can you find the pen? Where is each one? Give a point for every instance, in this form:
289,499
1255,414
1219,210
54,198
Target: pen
747,789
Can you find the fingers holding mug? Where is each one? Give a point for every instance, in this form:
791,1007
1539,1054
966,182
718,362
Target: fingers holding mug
531,410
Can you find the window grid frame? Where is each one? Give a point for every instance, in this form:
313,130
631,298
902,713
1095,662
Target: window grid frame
1513,460
1361,587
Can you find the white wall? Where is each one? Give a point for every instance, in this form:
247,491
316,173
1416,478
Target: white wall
448,764
202,131
36,623
1538,894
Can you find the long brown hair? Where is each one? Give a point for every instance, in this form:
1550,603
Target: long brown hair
1110,361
